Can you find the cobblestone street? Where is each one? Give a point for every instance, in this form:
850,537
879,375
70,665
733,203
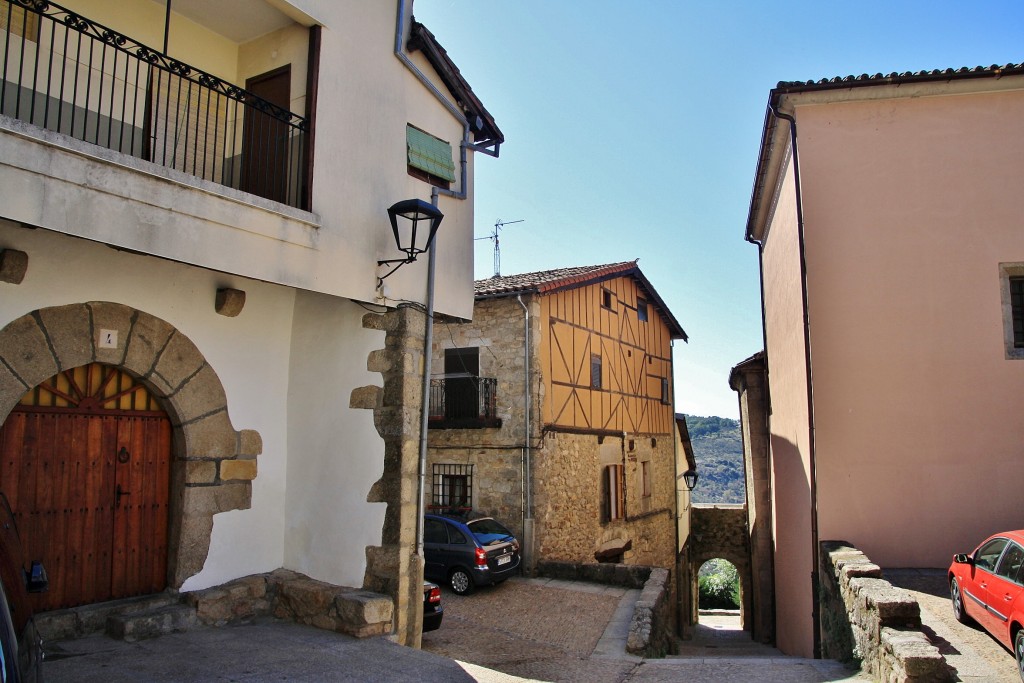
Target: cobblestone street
542,630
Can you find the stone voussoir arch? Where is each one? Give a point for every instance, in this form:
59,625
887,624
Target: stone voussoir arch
213,465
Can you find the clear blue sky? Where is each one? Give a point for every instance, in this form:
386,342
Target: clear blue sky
633,128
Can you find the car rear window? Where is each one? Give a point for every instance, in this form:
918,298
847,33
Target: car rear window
488,526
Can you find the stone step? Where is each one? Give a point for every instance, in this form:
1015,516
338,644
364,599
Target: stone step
150,623
77,622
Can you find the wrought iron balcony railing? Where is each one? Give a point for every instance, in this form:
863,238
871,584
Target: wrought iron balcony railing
68,74
464,402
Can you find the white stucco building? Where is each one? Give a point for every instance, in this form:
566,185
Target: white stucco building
222,252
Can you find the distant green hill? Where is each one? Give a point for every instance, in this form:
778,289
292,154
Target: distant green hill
718,449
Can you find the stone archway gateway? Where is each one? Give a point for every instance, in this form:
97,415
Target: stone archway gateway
212,465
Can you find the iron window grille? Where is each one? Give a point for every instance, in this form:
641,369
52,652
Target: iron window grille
452,489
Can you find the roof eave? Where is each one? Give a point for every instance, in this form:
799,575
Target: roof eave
487,134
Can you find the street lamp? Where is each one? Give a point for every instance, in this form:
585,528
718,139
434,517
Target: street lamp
689,478
417,217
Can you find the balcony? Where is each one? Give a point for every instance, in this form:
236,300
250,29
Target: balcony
71,75
463,403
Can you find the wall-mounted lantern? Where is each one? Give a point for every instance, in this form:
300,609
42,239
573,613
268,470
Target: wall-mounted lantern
689,478
414,223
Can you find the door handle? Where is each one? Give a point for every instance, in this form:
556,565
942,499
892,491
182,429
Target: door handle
117,496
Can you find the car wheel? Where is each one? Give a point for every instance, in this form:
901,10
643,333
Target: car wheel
957,599
1018,650
460,581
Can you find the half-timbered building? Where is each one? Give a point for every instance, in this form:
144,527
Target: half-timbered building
553,411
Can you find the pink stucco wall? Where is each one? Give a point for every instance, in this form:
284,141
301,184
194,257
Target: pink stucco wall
790,462
910,205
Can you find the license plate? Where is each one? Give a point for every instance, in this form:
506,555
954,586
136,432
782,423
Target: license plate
504,559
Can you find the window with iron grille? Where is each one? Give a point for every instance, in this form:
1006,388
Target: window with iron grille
595,371
452,488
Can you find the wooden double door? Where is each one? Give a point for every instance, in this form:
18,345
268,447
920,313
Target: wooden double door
87,474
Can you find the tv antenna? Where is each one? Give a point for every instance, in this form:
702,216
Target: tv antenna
498,225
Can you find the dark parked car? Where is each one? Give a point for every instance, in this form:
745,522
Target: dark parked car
464,555
987,586
433,613
20,645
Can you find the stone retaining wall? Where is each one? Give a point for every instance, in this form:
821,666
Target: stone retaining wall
866,619
652,626
289,595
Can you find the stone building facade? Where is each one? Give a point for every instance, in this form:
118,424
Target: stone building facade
581,460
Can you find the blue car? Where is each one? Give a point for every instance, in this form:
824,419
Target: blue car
464,555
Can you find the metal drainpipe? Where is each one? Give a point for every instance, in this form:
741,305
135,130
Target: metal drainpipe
454,110
428,342
815,616
527,481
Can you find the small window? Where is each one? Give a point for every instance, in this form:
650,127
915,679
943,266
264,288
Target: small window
641,309
595,371
664,390
1017,310
645,478
1011,292
452,489
429,158
988,554
613,502
606,299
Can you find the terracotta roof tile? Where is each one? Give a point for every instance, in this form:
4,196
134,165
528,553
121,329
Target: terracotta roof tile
547,281
903,77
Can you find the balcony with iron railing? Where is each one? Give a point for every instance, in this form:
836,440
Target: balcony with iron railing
65,73
463,403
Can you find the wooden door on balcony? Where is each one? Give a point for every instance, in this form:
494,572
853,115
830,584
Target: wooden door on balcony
461,370
85,462
265,138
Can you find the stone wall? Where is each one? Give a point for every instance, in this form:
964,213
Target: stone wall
568,500
289,595
866,619
496,453
651,631
393,568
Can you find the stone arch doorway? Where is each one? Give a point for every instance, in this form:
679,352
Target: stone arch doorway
211,465
720,532
721,597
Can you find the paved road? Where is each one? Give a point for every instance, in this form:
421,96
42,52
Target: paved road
977,656
547,630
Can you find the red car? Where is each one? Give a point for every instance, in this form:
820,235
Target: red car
987,586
